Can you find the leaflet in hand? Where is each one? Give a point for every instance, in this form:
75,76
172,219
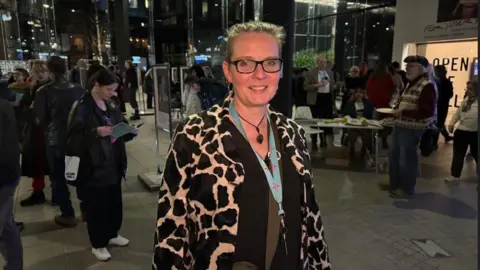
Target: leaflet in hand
121,129
18,96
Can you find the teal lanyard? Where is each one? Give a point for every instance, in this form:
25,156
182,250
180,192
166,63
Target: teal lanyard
273,177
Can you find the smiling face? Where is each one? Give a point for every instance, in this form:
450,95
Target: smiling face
254,89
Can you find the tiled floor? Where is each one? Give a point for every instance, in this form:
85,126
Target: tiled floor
365,229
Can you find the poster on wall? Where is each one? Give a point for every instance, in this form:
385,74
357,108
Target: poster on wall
161,80
455,19
459,59
452,10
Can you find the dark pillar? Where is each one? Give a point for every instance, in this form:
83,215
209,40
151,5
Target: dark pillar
249,10
122,32
285,17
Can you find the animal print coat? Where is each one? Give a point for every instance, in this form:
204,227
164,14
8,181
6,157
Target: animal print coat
199,232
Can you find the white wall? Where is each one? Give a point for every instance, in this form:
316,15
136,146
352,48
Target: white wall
416,22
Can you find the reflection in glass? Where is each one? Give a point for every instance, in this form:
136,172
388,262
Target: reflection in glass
342,31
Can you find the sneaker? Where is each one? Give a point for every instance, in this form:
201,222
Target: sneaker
135,117
398,194
64,221
384,185
119,241
37,197
102,254
451,179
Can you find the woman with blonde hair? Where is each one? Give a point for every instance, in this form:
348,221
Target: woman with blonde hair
34,163
237,188
38,74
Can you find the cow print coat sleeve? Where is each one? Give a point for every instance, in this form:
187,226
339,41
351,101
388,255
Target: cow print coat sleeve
172,247
318,257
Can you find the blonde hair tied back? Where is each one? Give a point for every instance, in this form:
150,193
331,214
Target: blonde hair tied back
253,27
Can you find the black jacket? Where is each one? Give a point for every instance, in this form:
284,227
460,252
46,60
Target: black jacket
9,146
102,163
52,106
131,78
211,93
445,93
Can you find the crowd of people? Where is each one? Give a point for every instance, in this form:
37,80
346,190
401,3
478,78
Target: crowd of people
47,118
419,98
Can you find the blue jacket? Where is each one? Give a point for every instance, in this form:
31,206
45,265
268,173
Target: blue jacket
368,109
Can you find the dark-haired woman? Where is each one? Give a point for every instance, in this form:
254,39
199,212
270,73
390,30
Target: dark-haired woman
103,161
380,91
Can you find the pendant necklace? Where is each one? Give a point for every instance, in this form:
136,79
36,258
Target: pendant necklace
257,127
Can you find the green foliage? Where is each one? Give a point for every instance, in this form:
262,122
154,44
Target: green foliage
308,58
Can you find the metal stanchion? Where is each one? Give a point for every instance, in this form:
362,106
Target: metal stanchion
163,120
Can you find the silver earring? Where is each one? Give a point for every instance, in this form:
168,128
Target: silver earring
230,86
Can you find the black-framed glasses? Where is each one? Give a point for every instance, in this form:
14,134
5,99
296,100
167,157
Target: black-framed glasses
247,66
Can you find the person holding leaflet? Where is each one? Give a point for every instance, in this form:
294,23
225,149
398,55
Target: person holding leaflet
103,161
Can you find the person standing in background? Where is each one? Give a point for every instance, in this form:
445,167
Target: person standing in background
352,82
428,143
52,106
413,110
10,241
298,93
365,73
193,104
149,89
400,72
466,133
34,159
319,84
103,161
74,76
445,93
131,84
397,80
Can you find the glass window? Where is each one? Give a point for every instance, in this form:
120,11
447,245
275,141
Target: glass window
348,39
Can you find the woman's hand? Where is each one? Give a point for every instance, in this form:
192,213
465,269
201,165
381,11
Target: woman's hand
450,128
104,131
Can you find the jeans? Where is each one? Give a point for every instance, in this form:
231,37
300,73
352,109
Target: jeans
10,241
461,141
56,161
403,167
